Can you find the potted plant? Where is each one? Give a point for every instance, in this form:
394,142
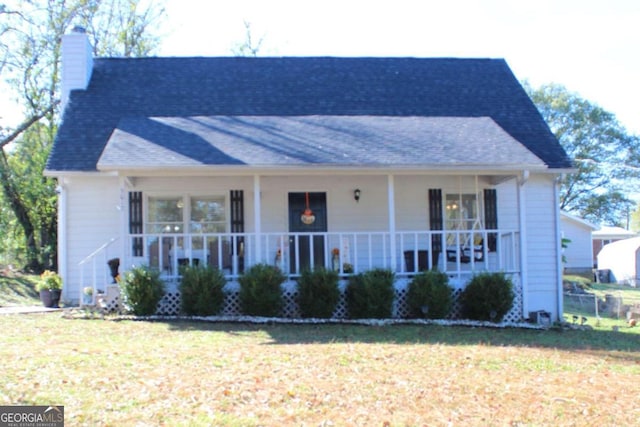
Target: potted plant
87,295
50,287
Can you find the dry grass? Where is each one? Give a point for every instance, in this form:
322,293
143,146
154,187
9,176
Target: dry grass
191,374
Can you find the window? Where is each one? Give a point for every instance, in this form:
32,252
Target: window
165,215
172,216
461,211
208,215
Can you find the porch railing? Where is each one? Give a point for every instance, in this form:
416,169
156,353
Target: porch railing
459,253
97,262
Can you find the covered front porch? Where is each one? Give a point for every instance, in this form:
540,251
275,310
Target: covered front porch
350,223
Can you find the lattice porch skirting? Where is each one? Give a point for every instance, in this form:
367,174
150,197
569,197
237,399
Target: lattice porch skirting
170,303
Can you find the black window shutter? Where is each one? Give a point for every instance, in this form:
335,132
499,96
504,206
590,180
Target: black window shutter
136,221
436,221
491,216
236,198
237,211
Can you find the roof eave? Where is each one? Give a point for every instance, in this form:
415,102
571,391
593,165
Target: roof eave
499,169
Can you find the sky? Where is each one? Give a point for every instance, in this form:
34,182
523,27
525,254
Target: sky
592,47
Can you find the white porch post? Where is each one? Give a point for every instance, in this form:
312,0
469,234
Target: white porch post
392,219
124,222
524,276
257,215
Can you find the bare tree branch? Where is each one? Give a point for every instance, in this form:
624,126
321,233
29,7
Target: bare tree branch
26,125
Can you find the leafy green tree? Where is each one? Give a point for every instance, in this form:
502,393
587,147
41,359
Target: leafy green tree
30,36
605,155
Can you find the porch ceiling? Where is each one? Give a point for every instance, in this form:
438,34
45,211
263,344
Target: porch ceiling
308,141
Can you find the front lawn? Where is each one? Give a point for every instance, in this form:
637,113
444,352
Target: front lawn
201,374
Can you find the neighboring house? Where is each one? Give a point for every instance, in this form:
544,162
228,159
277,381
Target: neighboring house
621,260
578,253
607,234
404,163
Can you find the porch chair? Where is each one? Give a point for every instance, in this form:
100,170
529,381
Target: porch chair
214,259
154,256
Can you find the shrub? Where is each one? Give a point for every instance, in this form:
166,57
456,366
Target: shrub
142,289
370,294
318,293
260,291
488,296
429,295
201,290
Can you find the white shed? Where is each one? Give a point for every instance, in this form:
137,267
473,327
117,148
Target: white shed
622,258
578,253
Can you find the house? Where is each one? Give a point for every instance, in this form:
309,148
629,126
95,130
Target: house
619,262
578,250
608,234
349,163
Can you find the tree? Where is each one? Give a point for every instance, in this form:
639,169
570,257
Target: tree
30,36
247,47
605,155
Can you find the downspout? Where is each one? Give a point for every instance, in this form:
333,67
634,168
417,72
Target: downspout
392,220
556,198
63,269
524,274
257,214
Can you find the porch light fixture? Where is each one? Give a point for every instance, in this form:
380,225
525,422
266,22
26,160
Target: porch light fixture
356,194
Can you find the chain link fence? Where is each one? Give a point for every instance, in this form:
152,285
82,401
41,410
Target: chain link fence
616,305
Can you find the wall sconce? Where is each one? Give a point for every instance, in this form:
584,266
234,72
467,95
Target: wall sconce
356,194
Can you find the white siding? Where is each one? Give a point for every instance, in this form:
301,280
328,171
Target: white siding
579,251
541,246
344,213
93,218
507,194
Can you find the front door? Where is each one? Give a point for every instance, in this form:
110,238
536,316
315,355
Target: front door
308,248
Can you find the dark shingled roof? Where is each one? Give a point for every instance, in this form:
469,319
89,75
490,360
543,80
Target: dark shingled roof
130,92
312,140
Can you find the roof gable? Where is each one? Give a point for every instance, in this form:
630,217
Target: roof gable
400,87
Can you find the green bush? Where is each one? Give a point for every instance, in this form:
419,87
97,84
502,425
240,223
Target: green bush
488,296
370,294
429,295
260,291
201,290
142,289
318,293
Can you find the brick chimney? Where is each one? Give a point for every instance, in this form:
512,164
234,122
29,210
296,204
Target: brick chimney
77,62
